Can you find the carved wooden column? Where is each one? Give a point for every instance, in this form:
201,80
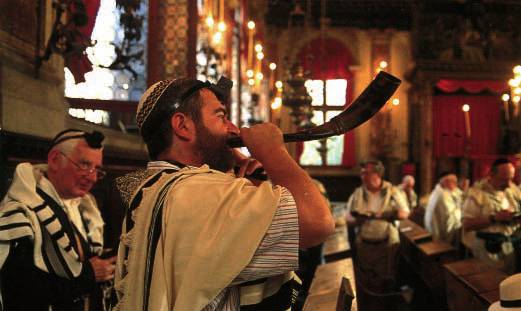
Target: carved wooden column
425,160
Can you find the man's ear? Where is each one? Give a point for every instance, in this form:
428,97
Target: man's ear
53,159
183,127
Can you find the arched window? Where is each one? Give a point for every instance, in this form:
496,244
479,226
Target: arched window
328,61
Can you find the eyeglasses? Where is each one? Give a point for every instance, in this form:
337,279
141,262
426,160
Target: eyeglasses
86,167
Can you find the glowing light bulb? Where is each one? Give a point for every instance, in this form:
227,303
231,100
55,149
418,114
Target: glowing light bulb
251,25
217,37
516,99
277,103
221,26
396,102
249,73
209,21
251,82
505,97
517,69
514,82
273,66
383,64
278,84
258,47
465,108
260,56
259,76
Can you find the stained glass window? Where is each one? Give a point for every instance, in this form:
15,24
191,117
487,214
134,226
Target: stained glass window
335,95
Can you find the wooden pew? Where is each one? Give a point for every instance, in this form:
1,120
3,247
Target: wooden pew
336,246
330,280
414,232
425,257
472,285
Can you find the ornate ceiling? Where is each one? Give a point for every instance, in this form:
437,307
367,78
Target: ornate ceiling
344,13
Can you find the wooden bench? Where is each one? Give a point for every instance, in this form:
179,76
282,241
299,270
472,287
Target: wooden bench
336,246
332,279
414,232
472,285
425,257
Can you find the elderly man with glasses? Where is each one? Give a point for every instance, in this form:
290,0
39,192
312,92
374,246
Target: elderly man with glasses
51,231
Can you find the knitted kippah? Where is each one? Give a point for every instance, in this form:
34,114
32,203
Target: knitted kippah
166,96
149,100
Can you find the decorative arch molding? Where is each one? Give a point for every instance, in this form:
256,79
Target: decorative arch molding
348,39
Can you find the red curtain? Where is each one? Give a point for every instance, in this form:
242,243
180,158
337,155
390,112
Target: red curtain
80,64
327,58
449,129
471,86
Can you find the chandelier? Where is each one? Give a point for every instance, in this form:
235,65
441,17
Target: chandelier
296,97
511,100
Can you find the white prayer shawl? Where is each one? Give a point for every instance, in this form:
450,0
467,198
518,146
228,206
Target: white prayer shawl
443,214
392,199
212,223
482,201
23,211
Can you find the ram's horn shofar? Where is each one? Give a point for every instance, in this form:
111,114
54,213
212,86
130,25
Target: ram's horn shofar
372,99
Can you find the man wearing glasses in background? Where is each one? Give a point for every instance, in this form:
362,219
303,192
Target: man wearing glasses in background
51,231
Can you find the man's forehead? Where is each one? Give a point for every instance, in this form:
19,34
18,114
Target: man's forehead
210,100
83,150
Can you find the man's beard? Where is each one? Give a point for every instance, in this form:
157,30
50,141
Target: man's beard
213,150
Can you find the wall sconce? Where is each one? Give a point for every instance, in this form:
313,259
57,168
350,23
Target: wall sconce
511,101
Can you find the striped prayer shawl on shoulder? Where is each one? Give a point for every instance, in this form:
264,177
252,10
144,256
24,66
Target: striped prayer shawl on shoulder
43,220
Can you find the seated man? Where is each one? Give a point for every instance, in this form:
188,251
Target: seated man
489,207
407,186
197,237
51,232
443,211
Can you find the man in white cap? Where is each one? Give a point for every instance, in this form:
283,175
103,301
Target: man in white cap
509,295
51,232
196,235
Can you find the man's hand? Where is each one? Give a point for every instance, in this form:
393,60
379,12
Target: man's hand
246,166
103,268
505,216
263,140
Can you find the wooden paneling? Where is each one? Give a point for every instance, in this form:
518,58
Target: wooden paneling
472,285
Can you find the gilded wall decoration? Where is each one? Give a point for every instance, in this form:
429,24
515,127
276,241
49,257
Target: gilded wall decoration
473,32
174,44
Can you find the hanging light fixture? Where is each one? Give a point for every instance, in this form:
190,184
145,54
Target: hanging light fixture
296,97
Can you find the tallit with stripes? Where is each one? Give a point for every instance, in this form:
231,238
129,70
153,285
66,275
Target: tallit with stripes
205,259
33,209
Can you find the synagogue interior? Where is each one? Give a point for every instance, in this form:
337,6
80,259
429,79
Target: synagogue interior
439,139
